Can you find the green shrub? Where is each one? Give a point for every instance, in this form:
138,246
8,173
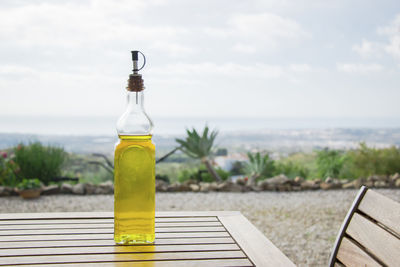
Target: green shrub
38,161
291,169
366,161
29,184
201,175
330,163
8,170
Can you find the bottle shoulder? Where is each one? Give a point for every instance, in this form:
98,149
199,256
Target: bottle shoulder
136,123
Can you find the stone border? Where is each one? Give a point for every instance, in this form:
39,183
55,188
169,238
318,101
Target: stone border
278,183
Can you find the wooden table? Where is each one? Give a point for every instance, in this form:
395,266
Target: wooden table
212,238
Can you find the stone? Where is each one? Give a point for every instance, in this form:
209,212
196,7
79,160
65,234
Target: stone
394,177
298,180
107,187
358,183
278,180
66,188
6,191
161,186
397,183
332,185
349,185
229,187
380,184
50,189
309,185
90,189
284,187
78,189
194,187
204,187
190,182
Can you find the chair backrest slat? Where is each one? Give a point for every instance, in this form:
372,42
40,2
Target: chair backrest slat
377,241
370,233
352,255
381,209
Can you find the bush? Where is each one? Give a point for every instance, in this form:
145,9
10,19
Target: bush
291,169
8,170
330,163
201,175
29,184
38,161
366,161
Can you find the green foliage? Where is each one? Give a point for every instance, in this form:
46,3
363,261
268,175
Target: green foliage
207,177
29,184
330,163
38,161
366,161
8,170
258,165
201,175
237,168
200,147
197,146
162,177
291,169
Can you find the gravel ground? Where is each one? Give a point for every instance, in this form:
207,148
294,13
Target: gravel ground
302,224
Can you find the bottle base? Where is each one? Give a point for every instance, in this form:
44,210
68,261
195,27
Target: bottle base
134,239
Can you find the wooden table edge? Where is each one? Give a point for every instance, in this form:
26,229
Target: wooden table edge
257,247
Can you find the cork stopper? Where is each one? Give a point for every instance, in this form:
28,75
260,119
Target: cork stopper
135,83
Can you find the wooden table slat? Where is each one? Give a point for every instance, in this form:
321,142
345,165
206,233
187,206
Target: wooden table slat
95,221
192,255
166,263
203,229
100,225
110,242
116,249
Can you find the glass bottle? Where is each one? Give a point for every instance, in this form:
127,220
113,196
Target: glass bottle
134,169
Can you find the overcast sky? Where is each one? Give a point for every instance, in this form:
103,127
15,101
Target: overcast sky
205,58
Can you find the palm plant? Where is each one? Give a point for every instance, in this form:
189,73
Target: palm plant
257,166
200,147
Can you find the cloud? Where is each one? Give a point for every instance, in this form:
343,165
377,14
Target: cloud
390,47
359,68
367,48
249,32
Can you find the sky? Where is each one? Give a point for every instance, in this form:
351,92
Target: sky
286,59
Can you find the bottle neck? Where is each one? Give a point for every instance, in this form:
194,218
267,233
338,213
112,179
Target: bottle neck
135,100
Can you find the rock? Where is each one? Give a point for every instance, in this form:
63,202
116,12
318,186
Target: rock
229,187
284,187
6,191
329,180
394,177
298,180
332,185
397,183
380,184
204,187
278,180
265,185
309,185
194,187
78,189
358,183
66,188
90,189
172,187
161,186
349,185
106,188
50,189
190,182
213,186
256,188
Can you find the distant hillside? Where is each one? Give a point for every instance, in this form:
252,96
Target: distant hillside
274,140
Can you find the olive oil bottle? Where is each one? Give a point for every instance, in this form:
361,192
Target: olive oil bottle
134,171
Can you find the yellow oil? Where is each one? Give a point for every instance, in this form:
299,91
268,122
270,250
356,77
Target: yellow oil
134,190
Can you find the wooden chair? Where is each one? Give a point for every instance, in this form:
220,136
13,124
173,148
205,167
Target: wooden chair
370,233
